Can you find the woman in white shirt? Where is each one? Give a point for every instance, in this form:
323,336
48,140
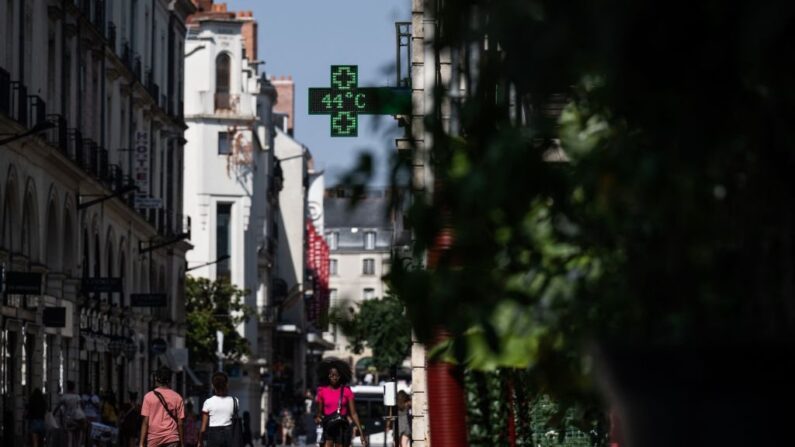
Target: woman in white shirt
216,429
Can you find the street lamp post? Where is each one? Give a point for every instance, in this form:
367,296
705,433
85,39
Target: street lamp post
219,335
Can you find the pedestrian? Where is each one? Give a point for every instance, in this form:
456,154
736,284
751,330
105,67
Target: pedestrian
109,413
130,425
287,425
271,428
191,429
247,436
37,406
404,418
70,415
217,411
336,404
162,412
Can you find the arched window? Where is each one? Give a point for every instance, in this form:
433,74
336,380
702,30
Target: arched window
85,262
97,259
222,80
25,236
53,239
122,275
110,269
222,73
68,244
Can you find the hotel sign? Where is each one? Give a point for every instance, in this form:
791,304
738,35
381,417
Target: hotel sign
141,172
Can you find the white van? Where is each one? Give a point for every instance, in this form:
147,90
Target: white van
370,407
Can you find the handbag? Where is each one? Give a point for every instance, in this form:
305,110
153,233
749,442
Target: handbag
334,421
236,437
50,423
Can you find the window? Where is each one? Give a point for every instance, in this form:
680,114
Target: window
333,239
368,294
222,77
332,297
368,267
369,240
332,267
223,143
222,73
223,239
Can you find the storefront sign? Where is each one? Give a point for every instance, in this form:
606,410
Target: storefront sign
22,283
158,346
148,300
54,317
102,285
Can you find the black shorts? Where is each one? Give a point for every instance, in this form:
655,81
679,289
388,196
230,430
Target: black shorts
340,435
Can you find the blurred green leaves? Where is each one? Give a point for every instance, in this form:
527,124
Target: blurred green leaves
670,219
214,306
379,324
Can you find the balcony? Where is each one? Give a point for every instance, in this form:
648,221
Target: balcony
58,136
74,141
37,111
84,156
212,103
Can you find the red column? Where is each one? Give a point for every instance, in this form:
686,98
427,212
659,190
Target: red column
446,403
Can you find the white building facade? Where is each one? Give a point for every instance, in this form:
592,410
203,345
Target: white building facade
90,107
231,181
360,243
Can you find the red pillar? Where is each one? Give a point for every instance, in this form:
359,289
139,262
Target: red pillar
446,402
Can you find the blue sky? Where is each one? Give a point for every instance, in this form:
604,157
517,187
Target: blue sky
303,38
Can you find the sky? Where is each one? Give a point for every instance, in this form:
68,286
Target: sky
303,38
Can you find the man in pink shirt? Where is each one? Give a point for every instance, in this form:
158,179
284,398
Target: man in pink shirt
163,412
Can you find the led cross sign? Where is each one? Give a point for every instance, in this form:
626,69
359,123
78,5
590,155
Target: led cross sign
345,101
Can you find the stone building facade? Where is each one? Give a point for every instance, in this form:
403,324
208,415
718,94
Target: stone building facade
91,154
232,183
360,240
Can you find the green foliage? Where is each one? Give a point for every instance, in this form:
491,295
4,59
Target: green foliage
212,306
494,397
671,219
379,324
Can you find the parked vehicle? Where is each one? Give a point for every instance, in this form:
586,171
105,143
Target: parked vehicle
370,407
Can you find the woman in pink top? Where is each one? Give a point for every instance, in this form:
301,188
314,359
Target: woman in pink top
331,396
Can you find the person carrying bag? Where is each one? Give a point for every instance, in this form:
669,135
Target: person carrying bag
335,403
221,422
162,411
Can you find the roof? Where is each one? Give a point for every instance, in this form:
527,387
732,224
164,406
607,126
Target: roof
370,212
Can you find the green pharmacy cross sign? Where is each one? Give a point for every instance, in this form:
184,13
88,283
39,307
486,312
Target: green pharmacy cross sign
345,101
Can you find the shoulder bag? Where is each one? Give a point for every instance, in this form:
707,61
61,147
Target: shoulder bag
334,421
163,402
236,437
173,416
